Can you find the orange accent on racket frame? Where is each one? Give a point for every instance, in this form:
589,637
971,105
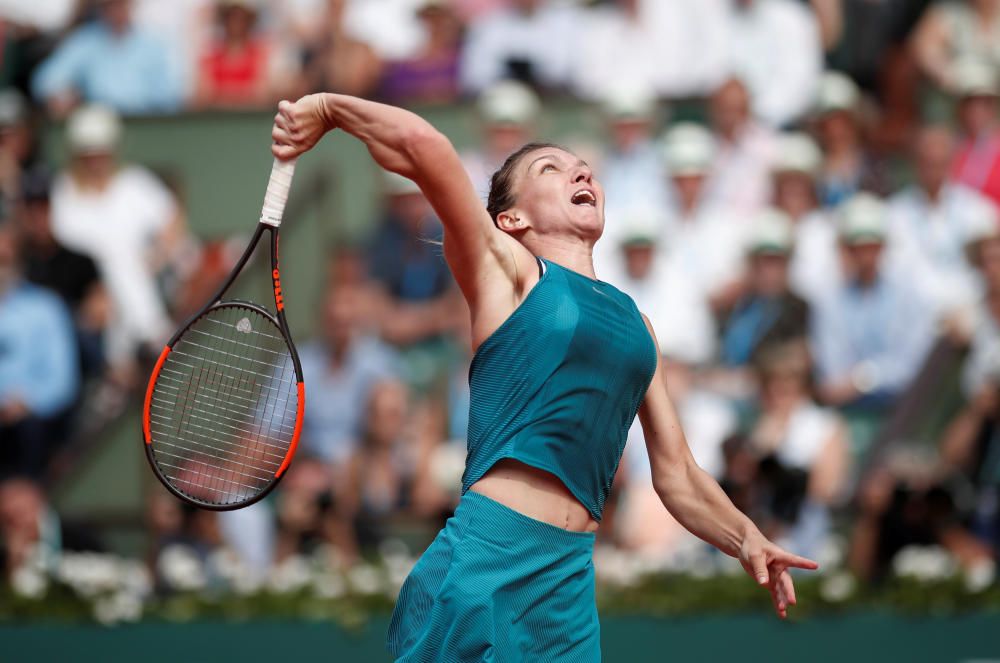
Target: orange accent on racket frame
295,434
279,300
149,393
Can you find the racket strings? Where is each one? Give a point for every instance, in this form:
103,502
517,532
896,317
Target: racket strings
222,413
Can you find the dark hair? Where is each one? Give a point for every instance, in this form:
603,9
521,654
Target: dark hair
502,196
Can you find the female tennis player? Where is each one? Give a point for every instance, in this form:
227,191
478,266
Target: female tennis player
563,364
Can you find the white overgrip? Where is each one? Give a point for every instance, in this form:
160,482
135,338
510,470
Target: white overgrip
277,192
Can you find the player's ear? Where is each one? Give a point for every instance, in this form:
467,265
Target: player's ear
512,221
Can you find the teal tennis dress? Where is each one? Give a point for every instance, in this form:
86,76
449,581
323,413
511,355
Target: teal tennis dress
557,387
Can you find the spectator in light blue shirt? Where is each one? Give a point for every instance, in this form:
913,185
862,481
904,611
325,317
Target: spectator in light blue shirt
872,333
112,62
38,366
341,369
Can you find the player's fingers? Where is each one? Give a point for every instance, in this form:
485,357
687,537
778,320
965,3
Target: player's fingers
284,152
758,563
281,121
787,586
788,559
279,135
777,600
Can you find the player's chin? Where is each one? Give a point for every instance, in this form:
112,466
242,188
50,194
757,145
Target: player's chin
588,219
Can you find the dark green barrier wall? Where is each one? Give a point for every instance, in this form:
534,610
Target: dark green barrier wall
858,639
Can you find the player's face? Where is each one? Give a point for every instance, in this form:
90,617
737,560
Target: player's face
558,194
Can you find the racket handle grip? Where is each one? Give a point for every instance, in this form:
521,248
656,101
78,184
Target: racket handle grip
277,192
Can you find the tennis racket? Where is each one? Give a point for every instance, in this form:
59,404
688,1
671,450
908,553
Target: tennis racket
223,408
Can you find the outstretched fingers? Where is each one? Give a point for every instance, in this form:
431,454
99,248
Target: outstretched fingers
787,559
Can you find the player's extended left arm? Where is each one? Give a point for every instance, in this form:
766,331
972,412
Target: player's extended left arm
697,501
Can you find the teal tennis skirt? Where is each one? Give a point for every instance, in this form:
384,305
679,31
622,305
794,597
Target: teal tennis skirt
497,585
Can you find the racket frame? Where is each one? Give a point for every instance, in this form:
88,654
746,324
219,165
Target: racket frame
279,320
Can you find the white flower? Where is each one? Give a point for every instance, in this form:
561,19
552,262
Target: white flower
447,463
980,576
135,578
837,587
291,575
29,582
924,563
364,579
180,568
329,585
831,552
90,574
247,582
225,564
393,548
118,607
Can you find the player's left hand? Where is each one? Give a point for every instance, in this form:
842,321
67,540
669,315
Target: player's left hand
768,565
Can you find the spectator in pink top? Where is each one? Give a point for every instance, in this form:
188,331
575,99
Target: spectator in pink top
237,68
977,163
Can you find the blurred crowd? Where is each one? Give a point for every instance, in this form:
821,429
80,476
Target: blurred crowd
801,195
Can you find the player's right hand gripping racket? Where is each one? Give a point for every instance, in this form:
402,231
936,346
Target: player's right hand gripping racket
224,404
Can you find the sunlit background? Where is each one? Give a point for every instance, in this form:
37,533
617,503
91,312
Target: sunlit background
801,195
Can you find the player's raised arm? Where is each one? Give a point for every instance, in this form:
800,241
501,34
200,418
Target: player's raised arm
404,143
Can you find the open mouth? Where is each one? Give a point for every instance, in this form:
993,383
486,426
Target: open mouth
584,197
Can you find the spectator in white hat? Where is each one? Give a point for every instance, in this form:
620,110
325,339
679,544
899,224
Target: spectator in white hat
112,62
952,31
744,151
769,311
847,167
507,115
126,220
702,237
930,223
632,166
775,47
872,334
533,41
977,163
815,265
675,305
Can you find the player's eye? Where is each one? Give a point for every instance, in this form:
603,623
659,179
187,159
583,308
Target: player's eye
548,166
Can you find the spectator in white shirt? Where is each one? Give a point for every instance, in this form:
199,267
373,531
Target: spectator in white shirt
815,266
507,113
931,222
702,237
127,221
775,47
676,48
745,150
675,305
533,41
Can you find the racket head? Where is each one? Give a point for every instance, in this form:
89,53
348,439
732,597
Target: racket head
223,408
